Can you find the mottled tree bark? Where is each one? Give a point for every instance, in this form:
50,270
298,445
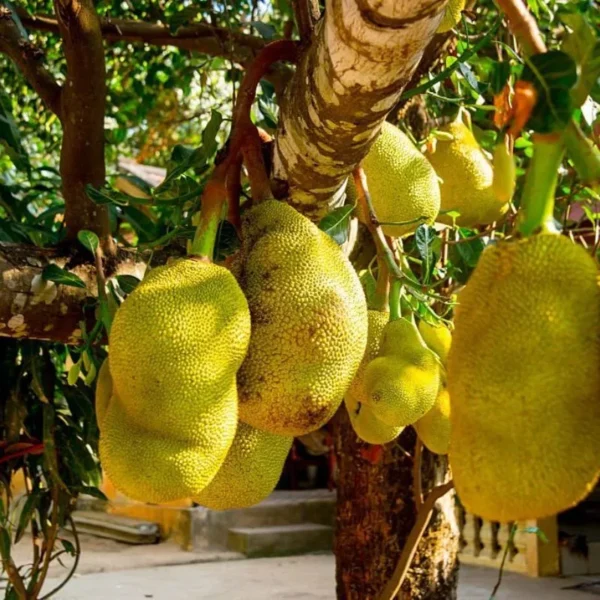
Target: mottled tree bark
362,54
375,513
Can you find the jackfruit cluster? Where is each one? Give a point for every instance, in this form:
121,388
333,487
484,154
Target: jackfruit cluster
524,380
403,185
467,178
309,322
175,346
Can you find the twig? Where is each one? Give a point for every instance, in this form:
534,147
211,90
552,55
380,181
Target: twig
423,517
504,556
49,542
417,479
305,17
73,566
15,578
523,25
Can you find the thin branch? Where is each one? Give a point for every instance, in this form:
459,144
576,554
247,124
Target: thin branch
49,542
424,516
207,39
417,477
28,59
523,25
304,12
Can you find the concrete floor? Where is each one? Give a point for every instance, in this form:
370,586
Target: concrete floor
297,578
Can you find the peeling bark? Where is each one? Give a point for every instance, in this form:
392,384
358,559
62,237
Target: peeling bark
33,309
362,55
375,513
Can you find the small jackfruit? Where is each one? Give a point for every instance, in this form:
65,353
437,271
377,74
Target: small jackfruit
153,466
402,383
176,344
309,322
451,16
467,178
524,379
403,186
104,391
438,337
250,472
433,428
365,424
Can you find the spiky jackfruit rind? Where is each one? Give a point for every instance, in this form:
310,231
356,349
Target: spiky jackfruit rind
250,471
433,428
176,344
152,467
466,179
524,379
309,322
403,185
437,337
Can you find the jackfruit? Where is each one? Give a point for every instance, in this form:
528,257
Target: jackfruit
438,337
176,344
153,466
524,380
104,390
250,471
309,322
365,424
467,178
451,16
402,183
402,383
433,428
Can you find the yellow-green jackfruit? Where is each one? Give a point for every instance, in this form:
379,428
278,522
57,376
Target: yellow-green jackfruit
150,466
438,337
403,186
402,383
451,15
309,322
524,380
104,390
467,178
434,427
175,346
365,424
250,471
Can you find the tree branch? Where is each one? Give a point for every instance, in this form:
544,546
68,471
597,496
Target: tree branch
307,14
28,59
207,39
360,58
32,309
83,109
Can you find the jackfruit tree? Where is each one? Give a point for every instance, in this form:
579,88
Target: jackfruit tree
376,218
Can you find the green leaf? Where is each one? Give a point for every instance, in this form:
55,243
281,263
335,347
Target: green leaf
209,135
54,273
424,237
26,514
68,547
10,137
265,30
89,239
92,491
4,543
127,283
553,75
467,73
337,223
540,534
499,76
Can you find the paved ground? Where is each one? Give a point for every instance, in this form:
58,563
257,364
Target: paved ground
295,578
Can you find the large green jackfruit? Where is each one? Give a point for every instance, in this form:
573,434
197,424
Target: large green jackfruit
403,186
467,178
433,428
176,344
524,380
402,383
364,422
151,466
309,322
438,337
250,471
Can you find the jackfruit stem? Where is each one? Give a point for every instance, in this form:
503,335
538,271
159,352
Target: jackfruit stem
395,294
584,154
537,201
380,298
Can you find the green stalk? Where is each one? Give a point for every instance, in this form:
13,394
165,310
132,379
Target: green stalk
537,201
584,154
213,201
395,292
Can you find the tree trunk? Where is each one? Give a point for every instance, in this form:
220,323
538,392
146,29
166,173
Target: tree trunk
375,513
